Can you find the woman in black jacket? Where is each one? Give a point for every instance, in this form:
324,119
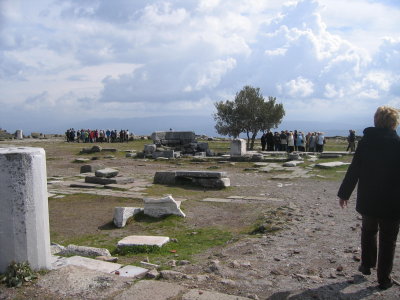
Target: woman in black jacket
376,169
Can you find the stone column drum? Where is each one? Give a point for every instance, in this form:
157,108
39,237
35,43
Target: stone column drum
24,213
238,147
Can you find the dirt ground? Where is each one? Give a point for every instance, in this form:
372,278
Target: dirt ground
314,254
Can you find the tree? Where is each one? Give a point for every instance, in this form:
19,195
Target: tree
249,113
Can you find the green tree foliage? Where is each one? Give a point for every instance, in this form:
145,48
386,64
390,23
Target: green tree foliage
249,112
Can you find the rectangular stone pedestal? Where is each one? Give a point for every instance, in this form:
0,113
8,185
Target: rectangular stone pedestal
24,214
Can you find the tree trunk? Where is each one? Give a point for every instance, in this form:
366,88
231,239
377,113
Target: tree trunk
253,137
248,140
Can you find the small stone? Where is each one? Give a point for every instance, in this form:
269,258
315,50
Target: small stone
339,268
111,259
356,258
153,274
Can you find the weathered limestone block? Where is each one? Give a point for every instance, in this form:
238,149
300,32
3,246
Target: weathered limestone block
107,173
213,182
165,153
122,214
293,156
293,163
161,207
19,135
143,240
173,137
329,155
24,217
150,148
203,147
165,177
90,168
84,251
238,147
329,165
201,174
93,149
104,181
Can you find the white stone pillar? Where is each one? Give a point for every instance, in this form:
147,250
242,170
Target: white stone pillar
238,147
18,134
24,213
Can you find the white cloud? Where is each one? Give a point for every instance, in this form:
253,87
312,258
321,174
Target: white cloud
299,87
133,57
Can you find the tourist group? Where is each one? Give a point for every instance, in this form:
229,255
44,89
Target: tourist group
100,136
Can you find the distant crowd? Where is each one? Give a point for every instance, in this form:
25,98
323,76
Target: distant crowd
293,141
97,136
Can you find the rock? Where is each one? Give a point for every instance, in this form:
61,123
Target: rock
111,259
122,214
89,168
161,207
330,165
81,160
329,155
150,148
153,274
56,248
165,177
183,262
107,173
130,155
173,275
143,240
84,251
104,181
293,163
293,156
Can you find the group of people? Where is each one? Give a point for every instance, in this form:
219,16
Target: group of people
293,141
100,136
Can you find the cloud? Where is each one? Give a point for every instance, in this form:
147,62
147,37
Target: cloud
149,58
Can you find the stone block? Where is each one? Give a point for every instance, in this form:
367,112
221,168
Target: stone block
84,251
201,174
238,147
213,182
122,214
132,271
150,148
165,153
330,165
143,240
329,155
293,163
165,177
200,154
90,168
105,181
203,147
161,207
24,218
84,185
177,137
89,263
107,173
293,156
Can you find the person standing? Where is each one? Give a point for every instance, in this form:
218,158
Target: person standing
351,139
375,167
263,141
270,141
320,142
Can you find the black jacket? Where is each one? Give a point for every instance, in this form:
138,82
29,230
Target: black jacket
376,168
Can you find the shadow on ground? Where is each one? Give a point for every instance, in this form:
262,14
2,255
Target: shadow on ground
329,291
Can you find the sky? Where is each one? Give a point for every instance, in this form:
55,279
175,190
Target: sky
155,65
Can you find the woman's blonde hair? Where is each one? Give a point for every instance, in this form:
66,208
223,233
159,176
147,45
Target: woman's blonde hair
386,117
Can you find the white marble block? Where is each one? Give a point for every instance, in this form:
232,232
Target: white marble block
238,147
157,208
24,213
